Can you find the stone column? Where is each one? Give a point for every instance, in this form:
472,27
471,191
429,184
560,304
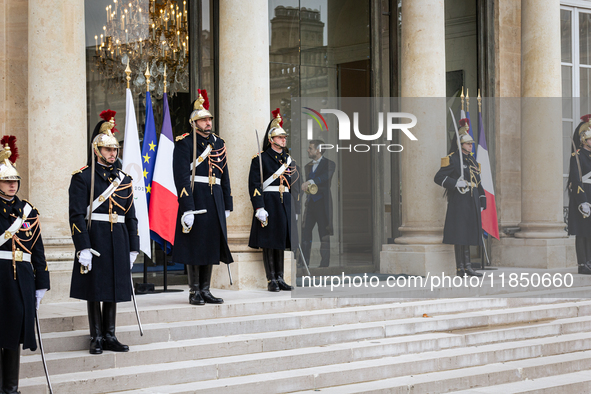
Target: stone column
57,123
244,100
542,241
419,249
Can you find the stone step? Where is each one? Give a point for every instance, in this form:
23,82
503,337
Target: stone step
372,336
341,363
382,316
172,307
576,382
332,379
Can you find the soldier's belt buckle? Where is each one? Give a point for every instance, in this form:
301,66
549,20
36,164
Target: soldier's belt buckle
18,255
102,198
113,218
211,180
281,188
7,235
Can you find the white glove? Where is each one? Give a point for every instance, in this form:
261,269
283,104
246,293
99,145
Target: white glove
132,257
227,214
586,208
85,258
39,294
262,215
461,183
189,219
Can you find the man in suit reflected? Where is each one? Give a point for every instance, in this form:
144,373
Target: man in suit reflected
318,206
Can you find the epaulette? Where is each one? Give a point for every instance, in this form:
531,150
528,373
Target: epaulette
31,206
80,170
255,156
479,167
126,174
445,160
180,137
577,152
219,137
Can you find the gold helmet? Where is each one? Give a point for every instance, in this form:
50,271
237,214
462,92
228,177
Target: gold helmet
105,138
275,129
465,137
200,107
585,129
8,155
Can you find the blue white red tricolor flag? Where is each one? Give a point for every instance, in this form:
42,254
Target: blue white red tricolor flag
149,148
490,223
164,203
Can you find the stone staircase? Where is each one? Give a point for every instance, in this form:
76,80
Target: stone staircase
260,342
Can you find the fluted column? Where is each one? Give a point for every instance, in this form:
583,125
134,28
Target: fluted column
419,249
244,99
541,121
541,241
243,93
56,107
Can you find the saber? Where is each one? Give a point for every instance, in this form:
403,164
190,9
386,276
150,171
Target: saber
230,274
303,258
261,168
137,314
461,190
42,352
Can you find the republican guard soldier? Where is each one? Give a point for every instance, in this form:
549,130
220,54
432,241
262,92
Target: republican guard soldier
24,278
272,198
579,189
205,201
460,176
105,234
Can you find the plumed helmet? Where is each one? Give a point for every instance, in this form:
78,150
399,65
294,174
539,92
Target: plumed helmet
585,128
8,156
274,129
105,138
200,107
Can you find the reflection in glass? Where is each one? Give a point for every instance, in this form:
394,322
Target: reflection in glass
567,92
585,90
565,36
585,38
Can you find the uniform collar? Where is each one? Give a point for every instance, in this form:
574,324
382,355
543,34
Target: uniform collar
105,172
8,207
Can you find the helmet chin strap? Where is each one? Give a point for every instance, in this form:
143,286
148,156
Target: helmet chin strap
196,127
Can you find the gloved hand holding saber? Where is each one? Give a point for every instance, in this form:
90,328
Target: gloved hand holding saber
264,221
188,217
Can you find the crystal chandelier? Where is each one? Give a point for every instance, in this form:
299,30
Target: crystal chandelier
149,34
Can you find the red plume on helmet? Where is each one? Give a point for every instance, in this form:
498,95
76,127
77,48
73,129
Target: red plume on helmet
11,141
203,92
275,113
585,118
464,122
107,115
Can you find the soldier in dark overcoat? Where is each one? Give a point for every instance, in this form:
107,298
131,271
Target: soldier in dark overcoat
318,207
107,246
24,277
205,201
465,200
274,199
579,189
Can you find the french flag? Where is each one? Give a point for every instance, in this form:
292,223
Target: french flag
164,203
489,215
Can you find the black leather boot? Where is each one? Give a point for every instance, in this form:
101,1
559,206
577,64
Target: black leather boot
468,264
459,253
109,318
269,264
10,367
95,323
585,269
204,281
194,294
278,258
